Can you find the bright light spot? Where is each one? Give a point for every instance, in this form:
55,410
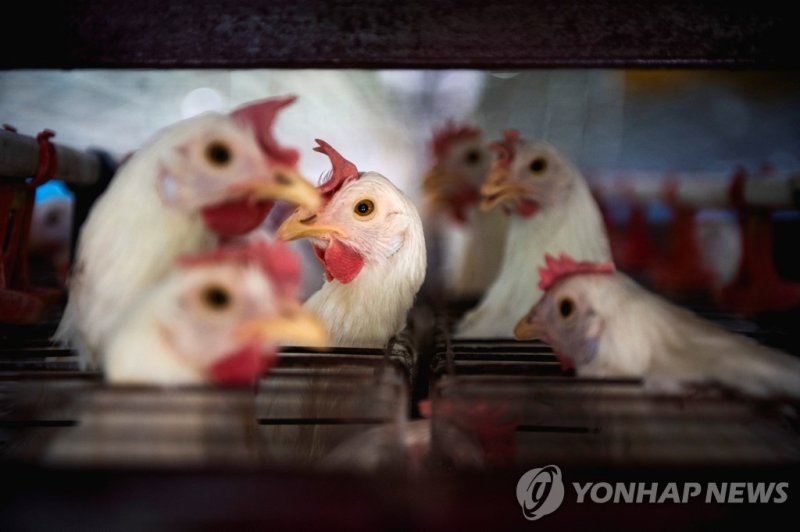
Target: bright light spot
504,75
201,100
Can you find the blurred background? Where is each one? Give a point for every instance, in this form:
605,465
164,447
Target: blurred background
618,125
608,121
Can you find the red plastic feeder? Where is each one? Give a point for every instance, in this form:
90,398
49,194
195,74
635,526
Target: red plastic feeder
19,301
681,270
756,287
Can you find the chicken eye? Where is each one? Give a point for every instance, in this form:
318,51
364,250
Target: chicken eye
472,157
364,207
52,219
216,298
538,165
566,307
218,153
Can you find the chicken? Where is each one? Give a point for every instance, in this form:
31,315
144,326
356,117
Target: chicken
207,176
552,211
606,325
368,236
48,247
462,162
217,317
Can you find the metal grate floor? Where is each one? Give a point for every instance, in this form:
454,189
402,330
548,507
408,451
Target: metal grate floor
493,402
311,403
539,414
75,450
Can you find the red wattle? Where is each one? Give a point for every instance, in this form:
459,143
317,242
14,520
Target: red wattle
341,262
237,217
527,208
242,367
565,363
320,253
461,201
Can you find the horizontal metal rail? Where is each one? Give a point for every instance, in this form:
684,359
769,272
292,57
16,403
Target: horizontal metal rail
19,157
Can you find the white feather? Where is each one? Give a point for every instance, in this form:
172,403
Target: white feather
137,354
483,253
165,338
373,307
128,242
574,227
646,336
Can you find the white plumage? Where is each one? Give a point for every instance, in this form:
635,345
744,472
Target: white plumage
463,160
204,176
218,318
374,262
483,253
608,326
370,309
128,242
552,211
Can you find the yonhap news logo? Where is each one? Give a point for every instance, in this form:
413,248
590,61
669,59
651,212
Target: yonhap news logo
541,491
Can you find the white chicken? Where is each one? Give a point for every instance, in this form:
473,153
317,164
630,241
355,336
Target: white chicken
207,176
452,187
218,318
552,211
606,325
48,247
368,236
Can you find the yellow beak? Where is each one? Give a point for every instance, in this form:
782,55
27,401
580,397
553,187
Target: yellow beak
294,326
285,184
499,188
528,329
302,225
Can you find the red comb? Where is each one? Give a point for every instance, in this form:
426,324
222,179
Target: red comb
449,133
276,259
506,147
564,266
260,116
342,170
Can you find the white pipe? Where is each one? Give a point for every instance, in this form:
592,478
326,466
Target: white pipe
776,193
702,193
19,157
